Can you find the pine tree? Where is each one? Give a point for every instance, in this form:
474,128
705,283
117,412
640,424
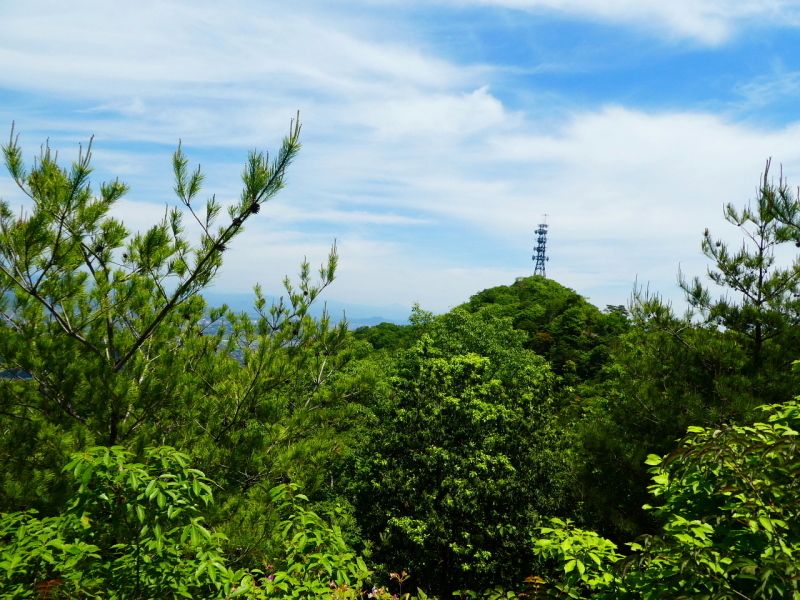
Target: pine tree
106,339
766,309
713,365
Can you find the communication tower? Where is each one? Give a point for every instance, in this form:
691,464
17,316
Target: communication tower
541,242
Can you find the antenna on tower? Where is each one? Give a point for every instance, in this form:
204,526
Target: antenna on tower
541,243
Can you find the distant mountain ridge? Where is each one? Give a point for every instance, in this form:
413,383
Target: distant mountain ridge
357,315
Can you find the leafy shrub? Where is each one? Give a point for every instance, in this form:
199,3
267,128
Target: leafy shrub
131,530
731,513
135,530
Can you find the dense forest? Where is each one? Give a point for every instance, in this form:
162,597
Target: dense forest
524,444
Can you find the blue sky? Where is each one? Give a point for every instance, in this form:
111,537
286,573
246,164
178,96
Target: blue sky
435,133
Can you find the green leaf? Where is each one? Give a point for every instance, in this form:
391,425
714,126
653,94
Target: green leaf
766,524
653,459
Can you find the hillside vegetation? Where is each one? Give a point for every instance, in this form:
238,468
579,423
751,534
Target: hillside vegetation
526,442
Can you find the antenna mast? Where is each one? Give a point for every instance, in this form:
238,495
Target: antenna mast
541,242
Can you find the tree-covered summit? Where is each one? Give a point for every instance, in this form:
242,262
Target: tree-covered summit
560,324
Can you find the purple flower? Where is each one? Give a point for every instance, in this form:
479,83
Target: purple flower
271,577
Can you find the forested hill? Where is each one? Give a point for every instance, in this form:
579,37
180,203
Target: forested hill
627,385
560,325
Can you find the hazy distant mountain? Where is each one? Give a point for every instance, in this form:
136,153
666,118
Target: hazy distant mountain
356,314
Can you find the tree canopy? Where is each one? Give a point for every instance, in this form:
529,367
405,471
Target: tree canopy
462,458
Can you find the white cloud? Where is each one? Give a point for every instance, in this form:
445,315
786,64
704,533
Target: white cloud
294,215
371,271
431,185
707,21
432,115
102,50
628,192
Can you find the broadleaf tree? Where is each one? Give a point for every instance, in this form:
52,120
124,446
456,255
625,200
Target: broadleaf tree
462,458
729,501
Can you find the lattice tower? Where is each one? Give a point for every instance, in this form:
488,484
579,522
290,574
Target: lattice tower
540,257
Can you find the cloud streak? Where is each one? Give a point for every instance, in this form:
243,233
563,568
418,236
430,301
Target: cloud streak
710,22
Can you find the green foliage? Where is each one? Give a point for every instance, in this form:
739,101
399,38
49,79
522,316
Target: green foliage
461,459
391,337
666,374
34,552
316,561
130,531
560,325
449,437
386,335
768,311
135,530
731,511
713,365
573,335
732,507
120,348
586,558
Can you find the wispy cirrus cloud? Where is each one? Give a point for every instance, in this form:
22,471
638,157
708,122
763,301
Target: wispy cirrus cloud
776,85
156,48
709,22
